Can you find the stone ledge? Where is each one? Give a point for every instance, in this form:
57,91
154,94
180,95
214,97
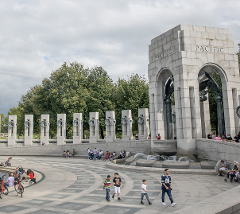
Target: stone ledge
160,170
224,203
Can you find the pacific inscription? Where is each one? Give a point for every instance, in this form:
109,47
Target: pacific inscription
212,49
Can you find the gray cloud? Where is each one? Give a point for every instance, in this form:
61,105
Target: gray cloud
38,36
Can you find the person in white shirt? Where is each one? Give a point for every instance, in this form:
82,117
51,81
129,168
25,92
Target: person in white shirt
100,154
144,192
89,153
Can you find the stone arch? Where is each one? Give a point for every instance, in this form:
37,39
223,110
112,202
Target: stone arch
161,78
228,97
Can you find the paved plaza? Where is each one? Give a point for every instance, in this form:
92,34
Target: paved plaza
75,186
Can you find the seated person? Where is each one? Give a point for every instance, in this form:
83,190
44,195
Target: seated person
136,137
158,137
10,180
107,157
236,139
74,153
213,135
120,156
236,174
124,154
228,137
231,173
64,154
209,136
30,176
222,168
218,137
149,136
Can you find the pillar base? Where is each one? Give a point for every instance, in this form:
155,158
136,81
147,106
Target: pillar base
186,147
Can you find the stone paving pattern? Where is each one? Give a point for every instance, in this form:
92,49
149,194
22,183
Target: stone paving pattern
75,186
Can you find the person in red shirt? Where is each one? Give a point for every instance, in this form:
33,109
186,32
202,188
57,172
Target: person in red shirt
30,176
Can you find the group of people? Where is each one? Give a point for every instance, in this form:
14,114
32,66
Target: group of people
232,174
95,154
66,154
18,173
117,183
225,137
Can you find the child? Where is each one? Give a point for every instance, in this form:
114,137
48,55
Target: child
117,181
144,192
166,187
107,186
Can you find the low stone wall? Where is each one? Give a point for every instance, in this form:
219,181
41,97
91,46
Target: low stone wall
215,150
132,146
224,203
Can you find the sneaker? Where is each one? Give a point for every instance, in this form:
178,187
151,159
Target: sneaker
163,203
173,204
225,179
220,175
142,202
112,196
231,180
150,203
108,200
119,198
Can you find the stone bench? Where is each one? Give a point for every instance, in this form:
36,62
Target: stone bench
146,163
175,164
208,164
129,160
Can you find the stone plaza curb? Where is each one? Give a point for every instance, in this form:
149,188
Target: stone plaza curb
160,170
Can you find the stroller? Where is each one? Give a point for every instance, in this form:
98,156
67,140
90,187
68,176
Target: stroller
91,156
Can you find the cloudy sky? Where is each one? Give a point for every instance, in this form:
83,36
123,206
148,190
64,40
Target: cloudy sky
38,36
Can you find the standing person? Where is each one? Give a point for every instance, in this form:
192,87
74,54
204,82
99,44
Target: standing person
100,154
89,153
107,186
95,152
144,192
166,187
117,181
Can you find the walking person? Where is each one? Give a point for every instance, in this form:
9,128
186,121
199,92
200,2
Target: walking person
95,152
117,181
144,192
107,186
166,187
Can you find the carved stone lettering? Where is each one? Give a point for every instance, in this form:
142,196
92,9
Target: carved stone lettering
204,48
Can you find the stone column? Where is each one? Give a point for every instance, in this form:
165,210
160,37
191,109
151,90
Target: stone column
174,121
218,99
12,130
205,117
93,127
77,128
45,129
110,123
28,130
169,118
61,129
143,123
127,125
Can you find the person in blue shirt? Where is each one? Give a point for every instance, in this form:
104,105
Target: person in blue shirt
166,187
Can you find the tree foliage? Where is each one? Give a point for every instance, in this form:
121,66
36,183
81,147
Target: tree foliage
75,89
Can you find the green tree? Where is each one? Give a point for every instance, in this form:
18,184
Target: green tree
130,94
